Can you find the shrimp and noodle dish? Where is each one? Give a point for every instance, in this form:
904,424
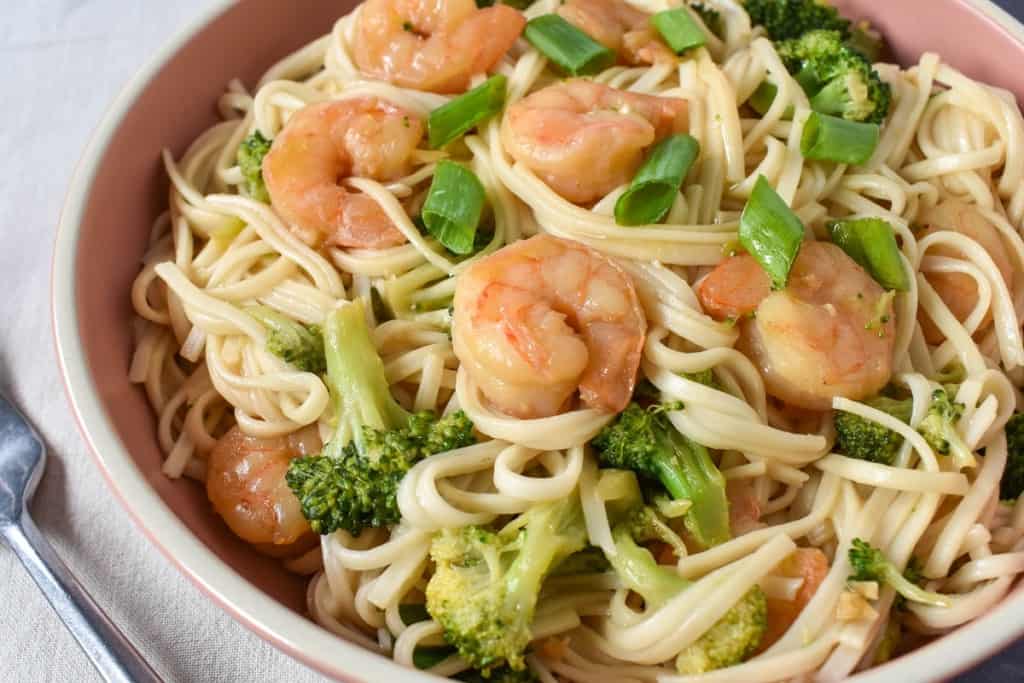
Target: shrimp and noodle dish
598,341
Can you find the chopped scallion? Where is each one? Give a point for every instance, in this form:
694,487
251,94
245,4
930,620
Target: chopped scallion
454,205
871,242
679,30
451,121
771,232
655,186
567,47
763,98
829,138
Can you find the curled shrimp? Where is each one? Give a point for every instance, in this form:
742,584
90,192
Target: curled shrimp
324,143
619,27
809,564
543,317
435,46
246,484
829,333
957,290
585,139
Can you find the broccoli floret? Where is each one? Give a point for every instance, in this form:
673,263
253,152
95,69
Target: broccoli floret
1012,484
485,586
839,80
867,440
296,344
711,17
352,484
250,160
863,439
786,19
939,429
729,641
643,440
869,564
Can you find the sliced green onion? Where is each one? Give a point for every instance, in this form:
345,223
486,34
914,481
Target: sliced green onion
656,184
771,232
679,30
871,242
451,121
567,47
763,98
454,206
828,138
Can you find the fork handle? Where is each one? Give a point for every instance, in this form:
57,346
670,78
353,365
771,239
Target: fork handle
114,657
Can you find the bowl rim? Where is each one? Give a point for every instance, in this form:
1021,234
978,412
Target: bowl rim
285,629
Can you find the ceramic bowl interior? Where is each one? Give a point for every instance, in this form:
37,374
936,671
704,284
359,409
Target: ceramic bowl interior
120,188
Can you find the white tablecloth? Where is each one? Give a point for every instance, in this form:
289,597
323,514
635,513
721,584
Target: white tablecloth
61,63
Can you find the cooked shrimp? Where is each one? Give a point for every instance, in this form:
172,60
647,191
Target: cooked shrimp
829,333
544,317
809,564
619,27
959,291
585,139
246,484
436,46
327,142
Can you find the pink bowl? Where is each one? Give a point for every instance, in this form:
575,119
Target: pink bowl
120,188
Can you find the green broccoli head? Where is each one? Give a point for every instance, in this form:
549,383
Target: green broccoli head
863,439
732,639
250,160
868,563
644,441
939,429
354,490
786,19
729,641
353,483
485,585
296,344
839,80
1012,483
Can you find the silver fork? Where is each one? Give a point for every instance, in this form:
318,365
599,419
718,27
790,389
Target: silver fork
22,460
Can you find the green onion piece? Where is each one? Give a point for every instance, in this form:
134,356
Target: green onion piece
763,98
679,30
656,184
771,232
451,121
453,207
829,138
567,47
871,242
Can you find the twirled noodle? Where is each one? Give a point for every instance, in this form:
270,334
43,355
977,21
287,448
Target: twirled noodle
217,251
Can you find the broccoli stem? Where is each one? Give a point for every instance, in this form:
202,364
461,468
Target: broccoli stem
356,375
909,590
692,476
641,574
